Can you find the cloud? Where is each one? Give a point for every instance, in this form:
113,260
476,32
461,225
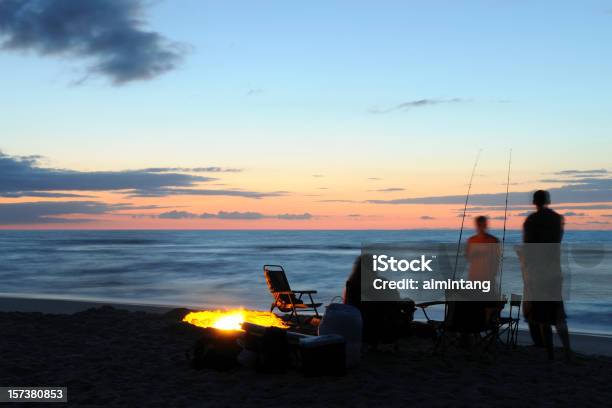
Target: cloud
418,103
109,34
354,215
254,91
427,217
304,216
389,190
212,169
44,212
165,192
42,194
581,172
175,215
22,176
339,201
374,178
531,207
233,215
574,214
19,174
477,199
580,190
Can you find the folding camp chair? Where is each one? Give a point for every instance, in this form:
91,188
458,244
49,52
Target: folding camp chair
464,318
509,324
285,299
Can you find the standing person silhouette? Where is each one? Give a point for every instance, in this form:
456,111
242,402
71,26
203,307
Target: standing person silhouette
545,226
482,252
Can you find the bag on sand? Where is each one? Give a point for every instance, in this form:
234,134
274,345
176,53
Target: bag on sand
344,320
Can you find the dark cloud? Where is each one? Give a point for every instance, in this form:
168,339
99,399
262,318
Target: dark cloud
42,194
20,174
531,207
419,103
427,217
111,34
212,169
23,176
304,216
607,215
354,215
573,214
580,190
44,212
374,178
479,199
164,192
388,190
233,215
340,201
175,215
581,172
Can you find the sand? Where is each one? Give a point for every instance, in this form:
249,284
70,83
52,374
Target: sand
112,357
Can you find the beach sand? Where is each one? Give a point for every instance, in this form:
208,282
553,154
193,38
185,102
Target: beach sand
113,357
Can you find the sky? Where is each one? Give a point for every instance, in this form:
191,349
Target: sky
319,115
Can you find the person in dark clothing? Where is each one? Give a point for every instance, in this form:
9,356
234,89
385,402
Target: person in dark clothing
545,226
383,321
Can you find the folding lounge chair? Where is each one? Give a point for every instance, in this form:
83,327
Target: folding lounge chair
509,324
285,299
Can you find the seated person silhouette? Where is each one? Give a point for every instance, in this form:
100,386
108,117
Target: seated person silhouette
383,321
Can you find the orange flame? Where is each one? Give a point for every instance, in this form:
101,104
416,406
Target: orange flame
233,319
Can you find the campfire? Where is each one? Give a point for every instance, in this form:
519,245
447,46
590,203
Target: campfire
232,320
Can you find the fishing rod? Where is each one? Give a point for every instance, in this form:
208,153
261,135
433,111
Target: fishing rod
501,261
467,197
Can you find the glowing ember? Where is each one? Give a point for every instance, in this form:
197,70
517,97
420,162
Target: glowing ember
233,319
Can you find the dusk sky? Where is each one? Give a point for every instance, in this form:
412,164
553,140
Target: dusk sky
325,115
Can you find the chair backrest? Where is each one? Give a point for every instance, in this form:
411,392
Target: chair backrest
277,282
515,300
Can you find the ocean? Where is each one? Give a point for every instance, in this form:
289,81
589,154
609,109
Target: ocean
217,269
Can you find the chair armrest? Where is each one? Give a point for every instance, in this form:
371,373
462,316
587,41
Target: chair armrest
305,292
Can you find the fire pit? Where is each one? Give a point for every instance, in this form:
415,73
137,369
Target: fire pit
231,320
218,347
